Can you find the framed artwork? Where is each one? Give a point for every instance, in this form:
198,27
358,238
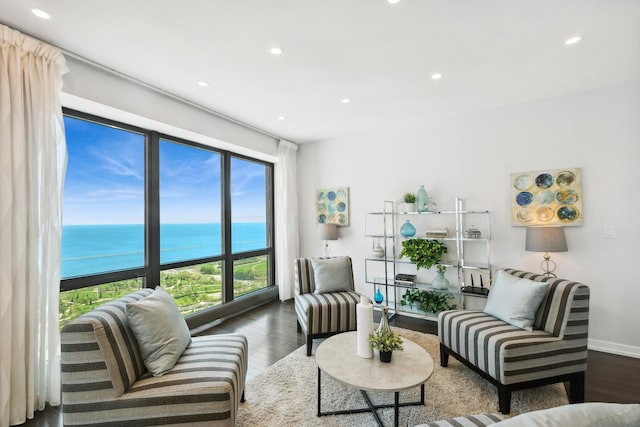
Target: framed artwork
546,198
332,206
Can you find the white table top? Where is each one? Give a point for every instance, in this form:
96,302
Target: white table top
337,357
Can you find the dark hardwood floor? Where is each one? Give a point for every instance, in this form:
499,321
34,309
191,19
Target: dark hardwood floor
271,331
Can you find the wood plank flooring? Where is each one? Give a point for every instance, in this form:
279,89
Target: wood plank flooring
271,331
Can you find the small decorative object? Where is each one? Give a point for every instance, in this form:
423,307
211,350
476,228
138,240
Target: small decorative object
378,297
384,321
440,281
332,206
409,204
422,200
407,229
423,252
385,342
473,233
378,251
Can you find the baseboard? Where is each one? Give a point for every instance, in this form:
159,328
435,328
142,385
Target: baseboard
615,348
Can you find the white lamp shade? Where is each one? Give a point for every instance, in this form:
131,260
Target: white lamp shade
546,239
327,232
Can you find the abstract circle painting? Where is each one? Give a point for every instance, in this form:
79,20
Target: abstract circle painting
550,197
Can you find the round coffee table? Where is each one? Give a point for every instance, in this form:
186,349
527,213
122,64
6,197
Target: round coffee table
336,356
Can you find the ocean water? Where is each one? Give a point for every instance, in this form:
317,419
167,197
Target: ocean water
90,249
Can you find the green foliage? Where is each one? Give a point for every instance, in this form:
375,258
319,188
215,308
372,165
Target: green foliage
429,301
385,341
193,288
441,268
423,252
409,198
210,268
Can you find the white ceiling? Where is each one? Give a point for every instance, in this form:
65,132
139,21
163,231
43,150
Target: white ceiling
491,52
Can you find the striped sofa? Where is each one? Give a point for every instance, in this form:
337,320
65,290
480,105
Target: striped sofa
321,315
512,358
105,383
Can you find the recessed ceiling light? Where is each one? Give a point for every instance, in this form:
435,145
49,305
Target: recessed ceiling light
203,83
393,1
276,50
436,76
281,118
572,40
346,100
40,13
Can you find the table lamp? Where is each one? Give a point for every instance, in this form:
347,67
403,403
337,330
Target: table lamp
327,232
546,239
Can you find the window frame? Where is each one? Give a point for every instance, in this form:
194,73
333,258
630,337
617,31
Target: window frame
150,272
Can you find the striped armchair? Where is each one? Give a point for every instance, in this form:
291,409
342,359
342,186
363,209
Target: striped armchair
105,383
323,314
514,359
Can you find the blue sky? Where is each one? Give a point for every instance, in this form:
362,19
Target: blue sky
105,180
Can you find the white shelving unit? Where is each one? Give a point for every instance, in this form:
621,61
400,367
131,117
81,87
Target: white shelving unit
467,259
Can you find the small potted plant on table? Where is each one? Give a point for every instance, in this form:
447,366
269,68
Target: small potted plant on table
385,342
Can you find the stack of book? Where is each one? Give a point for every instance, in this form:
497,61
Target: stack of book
437,233
405,279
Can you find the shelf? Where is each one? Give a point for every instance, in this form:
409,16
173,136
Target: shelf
381,272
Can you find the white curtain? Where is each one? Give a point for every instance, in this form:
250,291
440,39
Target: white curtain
286,213
32,163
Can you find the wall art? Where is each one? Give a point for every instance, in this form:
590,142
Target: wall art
332,206
546,198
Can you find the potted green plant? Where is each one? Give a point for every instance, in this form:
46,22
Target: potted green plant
410,297
409,203
428,301
386,342
423,252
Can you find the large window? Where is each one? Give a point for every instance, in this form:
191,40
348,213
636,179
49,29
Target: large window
103,211
160,210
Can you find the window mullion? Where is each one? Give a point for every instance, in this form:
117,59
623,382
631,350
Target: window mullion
152,229
227,288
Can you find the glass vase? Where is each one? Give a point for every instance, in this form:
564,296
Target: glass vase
378,297
440,281
422,200
407,229
384,321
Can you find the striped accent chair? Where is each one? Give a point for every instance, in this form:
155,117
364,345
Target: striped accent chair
514,359
322,315
105,383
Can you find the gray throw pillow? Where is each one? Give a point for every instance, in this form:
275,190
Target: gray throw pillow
160,330
515,300
331,274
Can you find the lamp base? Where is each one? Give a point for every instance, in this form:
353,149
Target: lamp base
548,266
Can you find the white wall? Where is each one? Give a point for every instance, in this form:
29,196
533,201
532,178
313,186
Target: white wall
472,157
93,90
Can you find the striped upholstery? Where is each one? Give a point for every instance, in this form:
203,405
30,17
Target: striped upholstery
480,420
557,346
323,314
104,382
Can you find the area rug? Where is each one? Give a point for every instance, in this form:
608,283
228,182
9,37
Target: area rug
285,394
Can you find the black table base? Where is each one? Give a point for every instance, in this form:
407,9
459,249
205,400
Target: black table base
396,405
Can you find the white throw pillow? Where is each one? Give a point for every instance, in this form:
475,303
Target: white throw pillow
331,274
515,300
160,330
594,414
